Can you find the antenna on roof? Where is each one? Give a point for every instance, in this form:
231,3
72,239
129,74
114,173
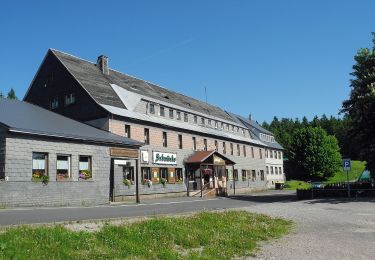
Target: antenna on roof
205,93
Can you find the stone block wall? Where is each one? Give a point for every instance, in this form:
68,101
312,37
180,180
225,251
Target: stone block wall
20,190
2,154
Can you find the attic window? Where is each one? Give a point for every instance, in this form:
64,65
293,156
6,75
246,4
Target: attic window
188,104
134,87
166,97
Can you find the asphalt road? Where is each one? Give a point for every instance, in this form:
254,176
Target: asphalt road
19,216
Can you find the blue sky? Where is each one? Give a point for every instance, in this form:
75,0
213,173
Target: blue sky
267,58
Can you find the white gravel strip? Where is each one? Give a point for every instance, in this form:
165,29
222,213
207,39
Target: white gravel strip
325,229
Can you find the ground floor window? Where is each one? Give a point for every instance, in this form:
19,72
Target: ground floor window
128,174
63,167
155,175
244,175
40,165
235,174
85,170
146,174
179,177
164,173
253,175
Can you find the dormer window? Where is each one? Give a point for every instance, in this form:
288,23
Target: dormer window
202,120
152,109
170,113
162,112
178,115
195,119
186,119
70,99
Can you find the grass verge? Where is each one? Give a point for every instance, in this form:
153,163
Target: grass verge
205,235
295,184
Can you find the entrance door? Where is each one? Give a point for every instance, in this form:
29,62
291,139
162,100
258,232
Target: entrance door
111,181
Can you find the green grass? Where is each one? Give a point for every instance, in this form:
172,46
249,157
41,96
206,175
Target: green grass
200,236
357,169
295,184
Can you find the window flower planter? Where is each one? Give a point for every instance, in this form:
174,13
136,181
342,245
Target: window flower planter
85,175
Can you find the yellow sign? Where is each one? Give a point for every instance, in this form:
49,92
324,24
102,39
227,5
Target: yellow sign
218,160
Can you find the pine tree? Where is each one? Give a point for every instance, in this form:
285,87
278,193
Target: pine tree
360,107
12,94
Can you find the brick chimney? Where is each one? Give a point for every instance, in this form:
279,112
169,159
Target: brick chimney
102,64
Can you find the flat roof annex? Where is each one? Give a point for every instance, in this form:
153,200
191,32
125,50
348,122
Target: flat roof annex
22,117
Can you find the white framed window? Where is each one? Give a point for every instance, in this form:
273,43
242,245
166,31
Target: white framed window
40,165
85,167
63,167
178,115
127,131
171,113
152,108
186,118
162,112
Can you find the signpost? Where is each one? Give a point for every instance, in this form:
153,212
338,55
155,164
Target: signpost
347,167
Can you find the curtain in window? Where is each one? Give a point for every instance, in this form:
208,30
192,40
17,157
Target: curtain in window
39,164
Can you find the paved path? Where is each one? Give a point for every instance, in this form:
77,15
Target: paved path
325,229
147,208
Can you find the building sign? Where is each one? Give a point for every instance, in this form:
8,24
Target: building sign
144,156
122,152
121,162
164,158
218,160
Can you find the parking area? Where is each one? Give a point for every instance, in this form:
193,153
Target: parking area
325,229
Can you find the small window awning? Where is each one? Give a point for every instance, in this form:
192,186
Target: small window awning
208,157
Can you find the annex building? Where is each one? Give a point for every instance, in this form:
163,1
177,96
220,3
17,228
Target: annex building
189,146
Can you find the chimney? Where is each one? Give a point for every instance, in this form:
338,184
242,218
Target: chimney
102,64
250,117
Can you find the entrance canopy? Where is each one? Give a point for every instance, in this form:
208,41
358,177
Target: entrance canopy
209,157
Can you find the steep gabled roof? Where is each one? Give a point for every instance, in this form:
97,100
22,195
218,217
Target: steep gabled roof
201,156
255,130
25,118
97,85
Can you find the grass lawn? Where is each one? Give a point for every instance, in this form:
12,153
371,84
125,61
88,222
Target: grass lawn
204,235
357,169
295,184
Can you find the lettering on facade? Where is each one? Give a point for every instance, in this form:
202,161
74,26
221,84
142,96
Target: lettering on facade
218,160
165,158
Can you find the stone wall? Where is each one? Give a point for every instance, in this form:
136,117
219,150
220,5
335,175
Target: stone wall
2,153
20,190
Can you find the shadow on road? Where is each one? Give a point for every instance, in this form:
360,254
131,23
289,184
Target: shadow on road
338,200
266,198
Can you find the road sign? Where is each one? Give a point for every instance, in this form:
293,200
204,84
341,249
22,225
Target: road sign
346,164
